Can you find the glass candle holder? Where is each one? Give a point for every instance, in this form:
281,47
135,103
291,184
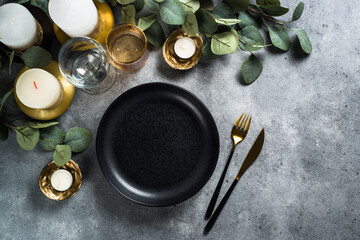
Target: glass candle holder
85,64
127,47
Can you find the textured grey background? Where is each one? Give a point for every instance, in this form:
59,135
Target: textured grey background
304,185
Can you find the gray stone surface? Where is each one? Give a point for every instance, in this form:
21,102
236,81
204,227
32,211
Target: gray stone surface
304,185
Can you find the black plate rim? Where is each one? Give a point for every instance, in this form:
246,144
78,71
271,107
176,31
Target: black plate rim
217,140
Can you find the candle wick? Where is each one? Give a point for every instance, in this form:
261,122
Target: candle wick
35,85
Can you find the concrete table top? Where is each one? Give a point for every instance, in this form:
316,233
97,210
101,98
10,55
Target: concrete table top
304,185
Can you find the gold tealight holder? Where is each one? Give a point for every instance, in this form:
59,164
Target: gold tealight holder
127,47
105,24
45,180
175,61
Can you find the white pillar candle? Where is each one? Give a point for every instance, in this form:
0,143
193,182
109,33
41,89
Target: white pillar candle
61,180
75,17
18,29
36,88
185,47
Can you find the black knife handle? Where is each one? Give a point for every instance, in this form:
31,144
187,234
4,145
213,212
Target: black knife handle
216,214
218,187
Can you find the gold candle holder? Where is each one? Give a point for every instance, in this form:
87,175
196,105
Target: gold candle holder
45,180
175,61
127,47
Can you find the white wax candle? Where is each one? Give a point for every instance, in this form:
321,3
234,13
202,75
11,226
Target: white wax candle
61,180
184,47
17,26
75,17
36,88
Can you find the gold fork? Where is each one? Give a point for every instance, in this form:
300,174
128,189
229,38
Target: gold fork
238,133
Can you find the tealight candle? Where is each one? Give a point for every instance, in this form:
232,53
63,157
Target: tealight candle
76,18
36,88
18,28
184,47
61,180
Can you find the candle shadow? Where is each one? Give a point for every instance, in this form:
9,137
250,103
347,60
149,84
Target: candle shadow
170,73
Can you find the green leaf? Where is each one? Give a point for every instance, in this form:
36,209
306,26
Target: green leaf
207,5
139,4
128,14
298,11
78,139
5,98
36,57
101,1
11,59
125,2
224,43
250,36
27,137
111,2
62,155
227,21
206,22
238,5
172,12
1,66
190,25
43,4
268,2
11,101
247,20
40,124
279,37
222,10
51,135
155,34
21,1
152,5
274,10
190,5
304,40
4,132
251,69
145,22
207,50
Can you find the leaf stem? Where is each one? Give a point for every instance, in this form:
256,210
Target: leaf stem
48,141
265,16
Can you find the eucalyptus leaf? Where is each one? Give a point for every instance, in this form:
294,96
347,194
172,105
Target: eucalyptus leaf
145,22
125,2
172,12
248,20
207,5
274,10
304,40
298,11
40,124
43,4
111,2
159,1
190,5
4,132
5,98
222,10
11,59
172,28
206,22
128,13
152,5
78,139
62,155
1,66
279,37
224,43
207,50
268,2
227,21
139,4
27,137
251,69
190,25
238,5
21,1
250,36
155,34
51,137
36,57
11,101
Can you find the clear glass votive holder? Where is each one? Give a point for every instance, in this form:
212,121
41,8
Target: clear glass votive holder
127,47
85,64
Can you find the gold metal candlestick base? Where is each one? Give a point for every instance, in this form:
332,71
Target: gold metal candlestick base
45,180
175,61
107,19
48,114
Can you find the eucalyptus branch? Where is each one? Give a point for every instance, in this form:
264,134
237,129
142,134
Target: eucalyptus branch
265,16
48,141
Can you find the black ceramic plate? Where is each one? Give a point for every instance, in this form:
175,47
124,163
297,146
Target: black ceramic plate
157,144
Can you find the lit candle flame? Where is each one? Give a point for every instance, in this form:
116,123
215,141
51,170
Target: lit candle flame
35,85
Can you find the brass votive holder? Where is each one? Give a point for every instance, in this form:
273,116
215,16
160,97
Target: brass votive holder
175,61
45,180
127,47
